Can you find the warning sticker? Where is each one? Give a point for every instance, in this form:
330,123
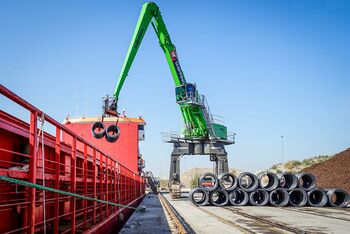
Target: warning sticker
178,70
173,55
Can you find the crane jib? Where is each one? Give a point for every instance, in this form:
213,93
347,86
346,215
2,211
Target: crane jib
139,39
197,117
178,70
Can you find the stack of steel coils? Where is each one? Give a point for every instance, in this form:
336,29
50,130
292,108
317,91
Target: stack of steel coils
263,189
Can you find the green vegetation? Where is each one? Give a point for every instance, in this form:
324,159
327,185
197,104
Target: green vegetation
292,164
296,166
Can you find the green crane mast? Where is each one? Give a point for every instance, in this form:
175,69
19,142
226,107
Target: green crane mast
193,106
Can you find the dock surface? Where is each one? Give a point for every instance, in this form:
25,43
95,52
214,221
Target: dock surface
233,219
153,220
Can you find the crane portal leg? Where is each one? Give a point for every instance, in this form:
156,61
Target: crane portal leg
215,150
174,183
221,164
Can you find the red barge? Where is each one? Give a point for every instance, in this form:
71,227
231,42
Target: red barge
70,160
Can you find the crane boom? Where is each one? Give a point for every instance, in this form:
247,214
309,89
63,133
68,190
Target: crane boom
151,11
195,112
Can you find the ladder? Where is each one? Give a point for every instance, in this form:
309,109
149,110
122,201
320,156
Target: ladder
208,116
151,181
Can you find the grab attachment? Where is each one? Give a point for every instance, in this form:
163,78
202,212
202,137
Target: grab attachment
98,129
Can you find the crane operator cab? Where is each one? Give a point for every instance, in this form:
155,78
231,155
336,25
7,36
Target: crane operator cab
187,93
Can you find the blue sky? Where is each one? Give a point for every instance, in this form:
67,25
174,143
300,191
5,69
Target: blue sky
271,68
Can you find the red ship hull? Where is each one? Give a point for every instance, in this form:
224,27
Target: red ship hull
72,163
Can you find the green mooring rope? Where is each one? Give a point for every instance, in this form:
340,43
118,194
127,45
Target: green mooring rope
37,186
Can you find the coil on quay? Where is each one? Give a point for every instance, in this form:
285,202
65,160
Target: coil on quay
238,197
209,181
317,198
268,181
279,197
199,196
279,190
306,181
337,197
297,197
248,181
228,181
218,197
287,180
259,197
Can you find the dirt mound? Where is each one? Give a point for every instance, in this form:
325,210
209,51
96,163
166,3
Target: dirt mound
333,173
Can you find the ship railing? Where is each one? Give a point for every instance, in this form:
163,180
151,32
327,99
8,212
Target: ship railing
73,165
231,137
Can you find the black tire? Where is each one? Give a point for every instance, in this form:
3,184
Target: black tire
97,126
112,133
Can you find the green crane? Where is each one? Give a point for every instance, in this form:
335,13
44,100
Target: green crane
193,106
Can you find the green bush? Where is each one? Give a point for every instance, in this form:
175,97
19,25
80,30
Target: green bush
291,164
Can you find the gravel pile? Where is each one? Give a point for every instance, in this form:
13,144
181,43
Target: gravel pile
333,173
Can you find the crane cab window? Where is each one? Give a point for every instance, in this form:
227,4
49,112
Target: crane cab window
190,91
180,93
